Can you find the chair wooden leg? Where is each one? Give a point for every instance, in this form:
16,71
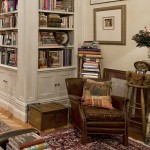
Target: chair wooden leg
125,140
83,138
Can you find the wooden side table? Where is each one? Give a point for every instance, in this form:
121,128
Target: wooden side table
141,105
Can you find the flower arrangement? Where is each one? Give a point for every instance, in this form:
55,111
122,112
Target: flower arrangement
142,38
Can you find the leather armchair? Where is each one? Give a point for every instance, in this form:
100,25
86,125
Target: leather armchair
95,120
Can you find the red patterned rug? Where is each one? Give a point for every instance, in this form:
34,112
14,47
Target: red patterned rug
4,127
69,139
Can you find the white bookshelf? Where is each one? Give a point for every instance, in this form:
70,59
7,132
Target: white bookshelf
26,83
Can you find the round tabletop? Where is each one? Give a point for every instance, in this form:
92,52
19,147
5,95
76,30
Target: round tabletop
138,86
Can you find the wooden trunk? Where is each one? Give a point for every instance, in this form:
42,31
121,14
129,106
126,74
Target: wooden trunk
48,115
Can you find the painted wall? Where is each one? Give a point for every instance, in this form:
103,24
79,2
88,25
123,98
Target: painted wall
121,57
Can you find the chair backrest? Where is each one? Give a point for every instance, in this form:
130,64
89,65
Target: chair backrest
74,86
118,79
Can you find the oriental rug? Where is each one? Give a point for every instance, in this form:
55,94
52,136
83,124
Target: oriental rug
69,139
4,127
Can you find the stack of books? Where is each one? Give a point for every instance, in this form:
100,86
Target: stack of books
89,49
90,55
47,39
27,141
90,68
89,52
54,20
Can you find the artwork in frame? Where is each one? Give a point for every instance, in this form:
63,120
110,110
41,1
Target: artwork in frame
110,25
102,1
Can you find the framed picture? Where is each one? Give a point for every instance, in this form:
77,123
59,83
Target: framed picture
110,25
102,1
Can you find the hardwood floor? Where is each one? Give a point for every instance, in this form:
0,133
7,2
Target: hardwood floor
15,123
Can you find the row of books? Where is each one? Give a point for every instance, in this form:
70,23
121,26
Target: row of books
54,58
8,38
55,20
8,56
8,21
8,6
27,141
67,22
57,5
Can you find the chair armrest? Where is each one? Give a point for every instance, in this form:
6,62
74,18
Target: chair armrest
75,98
119,102
5,136
78,116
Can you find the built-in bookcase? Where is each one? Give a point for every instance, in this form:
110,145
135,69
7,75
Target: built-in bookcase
37,52
8,33
56,34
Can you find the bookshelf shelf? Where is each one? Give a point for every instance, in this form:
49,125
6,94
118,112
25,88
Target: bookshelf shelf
56,47
58,68
8,67
8,13
61,29
8,29
57,12
10,46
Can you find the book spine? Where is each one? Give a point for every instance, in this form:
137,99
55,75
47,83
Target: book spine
6,6
31,143
89,49
90,56
89,52
41,146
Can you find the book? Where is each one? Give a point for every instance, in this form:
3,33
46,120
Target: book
12,57
55,20
90,55
55,58
26,140
89,52
90,76
54,24
91,44
38,147
90,49
53,16
91,69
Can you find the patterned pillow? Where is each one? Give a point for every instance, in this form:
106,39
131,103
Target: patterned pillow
99,101
95,88
97,93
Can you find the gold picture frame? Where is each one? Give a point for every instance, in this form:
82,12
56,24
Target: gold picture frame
92,2
110,25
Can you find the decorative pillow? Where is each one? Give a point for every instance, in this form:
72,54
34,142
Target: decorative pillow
97,93
95,88
99,101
